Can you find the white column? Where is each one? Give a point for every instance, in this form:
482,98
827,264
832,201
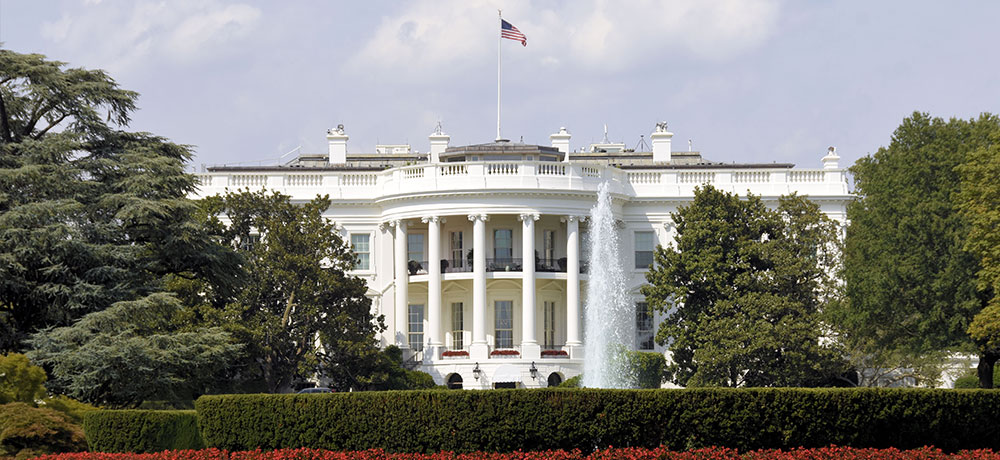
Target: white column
402,283
529,344
573,282
434,341
479,349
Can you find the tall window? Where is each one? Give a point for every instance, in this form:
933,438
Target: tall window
457,256
457,326
644,249
359,243
549,324
643,326
503,244
504,310
415,247
416,327
584,245
548,246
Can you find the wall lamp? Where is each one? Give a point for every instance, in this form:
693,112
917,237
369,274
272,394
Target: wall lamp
534,371
476,372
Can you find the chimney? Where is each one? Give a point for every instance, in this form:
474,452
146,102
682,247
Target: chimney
338,145
831,160
439,142
661,143
560,141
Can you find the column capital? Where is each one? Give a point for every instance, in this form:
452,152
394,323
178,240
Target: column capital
396,223
475,217
435,219
533,216
669,225
573,218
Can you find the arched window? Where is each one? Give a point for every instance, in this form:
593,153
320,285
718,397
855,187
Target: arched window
555,379
455,382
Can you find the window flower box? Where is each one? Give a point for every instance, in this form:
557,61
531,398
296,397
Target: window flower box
455,354
555,354
505,353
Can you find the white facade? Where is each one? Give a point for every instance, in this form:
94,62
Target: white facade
515,303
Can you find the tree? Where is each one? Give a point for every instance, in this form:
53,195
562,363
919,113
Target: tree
911,285
90,215
743,289
133,352
20,381
979,203
297,292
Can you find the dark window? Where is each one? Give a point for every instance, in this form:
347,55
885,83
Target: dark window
643,327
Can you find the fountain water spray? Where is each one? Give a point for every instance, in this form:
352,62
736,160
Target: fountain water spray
609,315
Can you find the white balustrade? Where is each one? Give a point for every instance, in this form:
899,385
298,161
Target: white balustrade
696,177
303,180
247,180
644,177
413,172
456,169
805,175
501,169
751,177
358,180
551,169
591,171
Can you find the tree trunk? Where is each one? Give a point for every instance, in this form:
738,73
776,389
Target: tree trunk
985,369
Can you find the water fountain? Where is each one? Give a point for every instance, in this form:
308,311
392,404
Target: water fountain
608,312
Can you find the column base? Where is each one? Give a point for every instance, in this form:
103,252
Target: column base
479,352
531,350
575,350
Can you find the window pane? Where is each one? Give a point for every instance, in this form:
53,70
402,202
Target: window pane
360,245
416,326
457,326
549,245
457,257
643,327
503,244
504,310
644,249
415,247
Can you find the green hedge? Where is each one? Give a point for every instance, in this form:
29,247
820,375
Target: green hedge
142,430
508,420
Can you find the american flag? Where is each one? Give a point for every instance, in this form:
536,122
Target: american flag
507,30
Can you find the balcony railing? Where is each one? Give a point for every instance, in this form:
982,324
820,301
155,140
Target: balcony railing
509,264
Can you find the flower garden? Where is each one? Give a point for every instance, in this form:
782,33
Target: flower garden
661,453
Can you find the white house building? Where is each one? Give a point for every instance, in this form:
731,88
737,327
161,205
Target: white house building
475,253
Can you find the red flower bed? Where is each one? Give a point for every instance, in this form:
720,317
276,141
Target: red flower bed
454,353
555,354
505,352
660,453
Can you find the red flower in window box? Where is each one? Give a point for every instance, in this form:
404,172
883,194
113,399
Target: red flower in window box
454,353
505,352
555,354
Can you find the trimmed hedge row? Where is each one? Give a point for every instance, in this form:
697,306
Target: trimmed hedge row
510,420
142,430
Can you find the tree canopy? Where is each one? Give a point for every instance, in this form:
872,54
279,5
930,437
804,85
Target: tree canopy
911,284
742,289
90,214
297,293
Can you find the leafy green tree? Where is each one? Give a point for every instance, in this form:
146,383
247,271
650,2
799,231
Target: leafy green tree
90,215
29,432
132,352
297,292
979,203
20,381
911,284
743,289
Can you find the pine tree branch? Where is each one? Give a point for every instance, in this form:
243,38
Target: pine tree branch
4,123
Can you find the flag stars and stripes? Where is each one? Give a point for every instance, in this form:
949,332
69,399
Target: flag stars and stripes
508,31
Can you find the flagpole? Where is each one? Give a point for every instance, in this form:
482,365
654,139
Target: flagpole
499,34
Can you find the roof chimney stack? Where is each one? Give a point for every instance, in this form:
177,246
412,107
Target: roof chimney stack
439,143
661,143
831,160
560,141
338,145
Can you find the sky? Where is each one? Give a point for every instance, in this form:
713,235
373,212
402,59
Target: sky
751,81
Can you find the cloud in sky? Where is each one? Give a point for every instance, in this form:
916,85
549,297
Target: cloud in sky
426,36
127,35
